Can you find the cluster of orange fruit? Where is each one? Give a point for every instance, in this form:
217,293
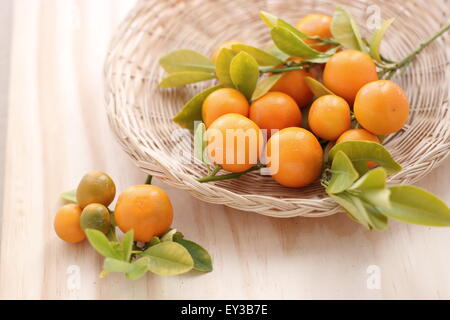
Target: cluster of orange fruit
380,107
146,209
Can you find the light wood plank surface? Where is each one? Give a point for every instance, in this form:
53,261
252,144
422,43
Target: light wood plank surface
58,130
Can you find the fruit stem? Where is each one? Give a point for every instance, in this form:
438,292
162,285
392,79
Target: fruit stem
279,70
149,179
391,70
214,171
229,175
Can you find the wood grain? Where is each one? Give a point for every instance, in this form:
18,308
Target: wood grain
58,130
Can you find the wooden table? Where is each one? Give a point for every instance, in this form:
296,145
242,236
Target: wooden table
58,130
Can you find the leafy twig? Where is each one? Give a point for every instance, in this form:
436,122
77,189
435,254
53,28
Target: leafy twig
228,176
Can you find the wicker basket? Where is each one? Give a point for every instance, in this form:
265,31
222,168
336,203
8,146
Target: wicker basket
140,113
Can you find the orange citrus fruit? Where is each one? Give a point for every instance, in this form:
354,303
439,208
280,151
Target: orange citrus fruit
295,157
316,25
347,71
381,107
275,110
223,101
67,223
146,209
357,135
329,117
234,142
293,84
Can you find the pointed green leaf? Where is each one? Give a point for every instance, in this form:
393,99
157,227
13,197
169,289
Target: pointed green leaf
343,174
244,72
192,111
360,152
291,44
347,202
202,259
415,205
223,66
102,245
186,60
169,235
265,85
138,268
69,196
345,31
155,240
200,142
182,78
127,245
317,88
273,50
375,178
169,258
376,38
114,265
262,57
375,219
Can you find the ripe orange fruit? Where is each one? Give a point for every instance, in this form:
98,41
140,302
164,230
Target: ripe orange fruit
234,142
358,135
293,84
347,71
275,110
381,107
329,117
67,223
223,101
146,209
295,157
225,45
316,25
96,187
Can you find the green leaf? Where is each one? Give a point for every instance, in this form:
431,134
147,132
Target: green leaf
182,78
102,245
361,212
360,152
262,57
317,87
291,44
114,265
265,85
343,174
169,258
375,178
126,245
244,72
186,60
169,235
202,259
376,38
155,240
139,268
192,111
200,142
348,203
273,50
272,21
345,31
69,196
223,66
375,219
415,205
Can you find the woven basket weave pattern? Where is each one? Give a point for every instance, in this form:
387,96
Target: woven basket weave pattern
140,113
